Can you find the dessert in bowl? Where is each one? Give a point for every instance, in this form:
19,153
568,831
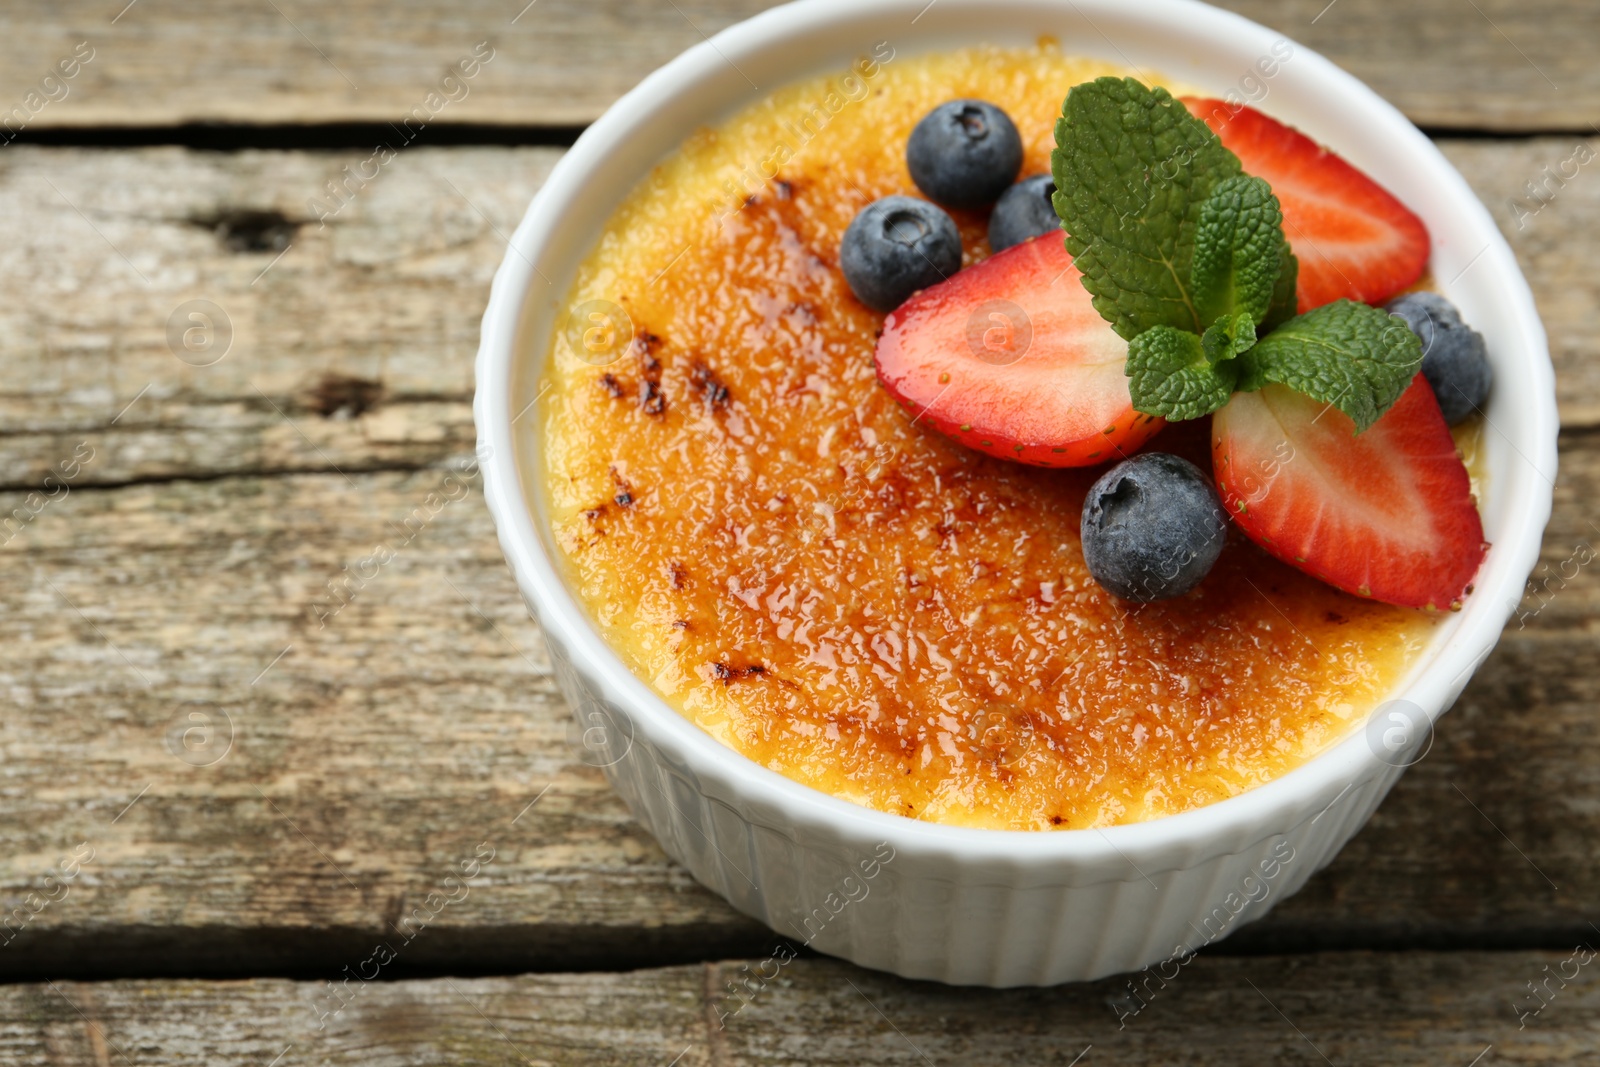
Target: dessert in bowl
790,598
797,559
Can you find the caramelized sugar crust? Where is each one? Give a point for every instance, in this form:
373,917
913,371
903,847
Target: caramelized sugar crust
848,598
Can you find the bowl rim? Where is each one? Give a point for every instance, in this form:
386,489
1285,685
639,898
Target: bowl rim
772,799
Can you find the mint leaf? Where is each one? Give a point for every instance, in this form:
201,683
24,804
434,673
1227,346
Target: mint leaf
1353,356
1237,244
1228,337
1285,301
1132,169
1172,376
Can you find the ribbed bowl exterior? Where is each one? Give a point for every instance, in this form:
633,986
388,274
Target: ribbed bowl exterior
935,914
953,904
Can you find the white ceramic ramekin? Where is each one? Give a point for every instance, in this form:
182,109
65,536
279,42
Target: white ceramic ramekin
979,906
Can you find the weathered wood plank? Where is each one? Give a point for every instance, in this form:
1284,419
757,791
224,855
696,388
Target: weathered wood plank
1409,1008
401,730
277,803
343,345
1499,64
1545,194
354,349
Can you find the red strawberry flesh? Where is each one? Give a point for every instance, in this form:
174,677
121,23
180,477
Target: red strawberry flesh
1009,357
1386,514
1352,237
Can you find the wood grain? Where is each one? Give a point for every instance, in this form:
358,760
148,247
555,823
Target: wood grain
342,345
352,342
1512,65
1346,1008
293,804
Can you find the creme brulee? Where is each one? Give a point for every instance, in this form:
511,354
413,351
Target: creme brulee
851,600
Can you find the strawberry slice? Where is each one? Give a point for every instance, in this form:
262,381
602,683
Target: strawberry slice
1010,357
1352,237
1386,514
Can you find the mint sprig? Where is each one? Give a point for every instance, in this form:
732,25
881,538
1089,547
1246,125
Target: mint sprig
1184,255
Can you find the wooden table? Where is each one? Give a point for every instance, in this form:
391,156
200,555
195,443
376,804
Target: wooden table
217,795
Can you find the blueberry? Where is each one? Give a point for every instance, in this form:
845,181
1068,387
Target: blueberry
964,153
1023,212
1152,527
896,246
1454,359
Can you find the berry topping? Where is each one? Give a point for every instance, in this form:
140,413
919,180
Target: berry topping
1186,259
1454,359
896,246
1152,527
1386,514
1010,357
964,153
1024,211
1352,237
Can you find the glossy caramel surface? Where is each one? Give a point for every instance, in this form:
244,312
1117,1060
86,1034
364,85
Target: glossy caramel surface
850,599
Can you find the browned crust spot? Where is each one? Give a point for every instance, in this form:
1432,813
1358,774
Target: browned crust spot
727,675
651,400
708,385
624,497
